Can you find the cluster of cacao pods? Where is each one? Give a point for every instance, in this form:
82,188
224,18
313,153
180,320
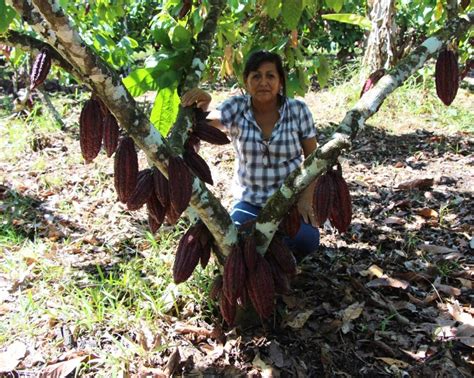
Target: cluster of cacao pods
250,276
194,247
40,69
164,198
332,200
97,126
447,76
201,131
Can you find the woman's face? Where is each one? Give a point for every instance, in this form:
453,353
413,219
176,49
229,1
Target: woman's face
264,84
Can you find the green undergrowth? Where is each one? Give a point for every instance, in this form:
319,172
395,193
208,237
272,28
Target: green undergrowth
97,301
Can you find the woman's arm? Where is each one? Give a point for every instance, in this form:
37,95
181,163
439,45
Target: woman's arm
305,202
202,100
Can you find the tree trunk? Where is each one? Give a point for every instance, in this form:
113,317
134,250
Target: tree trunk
380,43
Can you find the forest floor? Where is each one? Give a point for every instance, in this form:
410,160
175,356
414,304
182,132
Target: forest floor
85,289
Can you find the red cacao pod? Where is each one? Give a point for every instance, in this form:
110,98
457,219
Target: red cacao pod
261,288
143,190
180,183
447,76
111,134
40,69
90,130
234,274
125,169
210,134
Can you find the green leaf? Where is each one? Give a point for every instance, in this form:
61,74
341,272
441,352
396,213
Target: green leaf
323,71
291,11
181,38
167,79
165,109
272,8
349,18
335,4
141,80
8,14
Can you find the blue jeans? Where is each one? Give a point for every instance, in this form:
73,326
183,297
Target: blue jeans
305,242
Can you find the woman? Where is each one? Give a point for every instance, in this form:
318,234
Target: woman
269,131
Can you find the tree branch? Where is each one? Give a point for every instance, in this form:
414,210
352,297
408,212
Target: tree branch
29,44
53,25
204,41
316,163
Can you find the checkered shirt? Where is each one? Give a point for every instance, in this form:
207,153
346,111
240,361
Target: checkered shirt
261,165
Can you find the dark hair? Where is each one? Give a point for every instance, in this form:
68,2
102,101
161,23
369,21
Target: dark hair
257,58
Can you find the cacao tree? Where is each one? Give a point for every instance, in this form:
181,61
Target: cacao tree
184,36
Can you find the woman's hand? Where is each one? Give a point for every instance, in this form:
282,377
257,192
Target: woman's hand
305,205
197,97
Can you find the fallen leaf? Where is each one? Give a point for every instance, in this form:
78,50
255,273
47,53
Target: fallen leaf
184,329
62,369
10,359
351,313
435,249
416,184
276,354
450,290
267,370
173,362
388,282
427,213
393,362
373,270
459,315
394,220
465,283
300,319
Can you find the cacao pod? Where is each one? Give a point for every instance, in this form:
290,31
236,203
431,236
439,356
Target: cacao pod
193,142
153,224
323,197
143,190
200,115
187,256
160,183
280,279
210,134
103,108
243,300
373,78
282,255
250,253
261,288
447,76
205,255
40,69
172,215
111,134
185,8
341,211
180,183
291,223
155,211
90,130
234,274
216,288
197,165
228,309
125,169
